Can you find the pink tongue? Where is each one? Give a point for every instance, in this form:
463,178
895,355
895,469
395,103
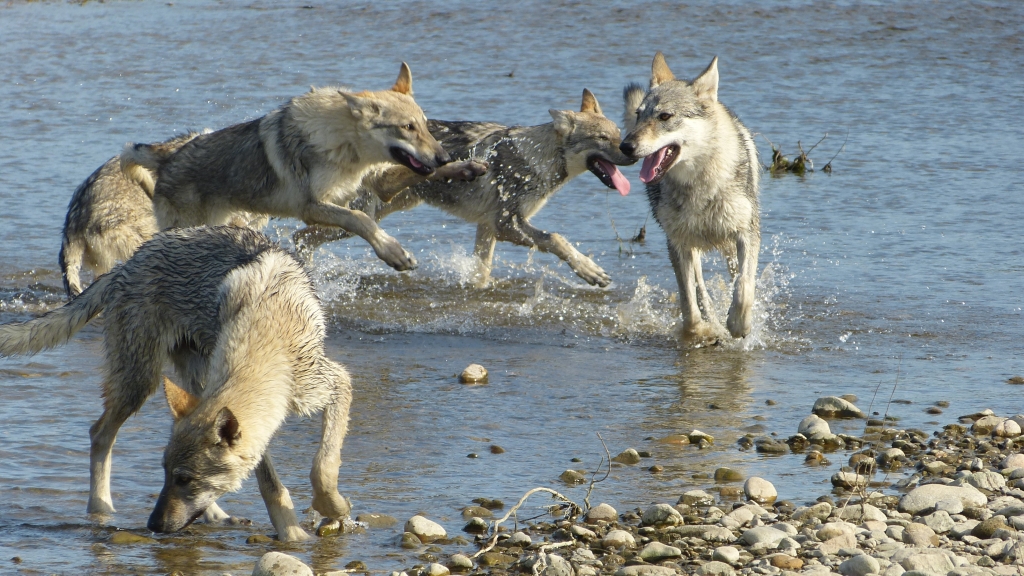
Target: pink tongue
620,182
647,171
415,163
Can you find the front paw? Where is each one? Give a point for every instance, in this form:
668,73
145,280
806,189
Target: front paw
332,506
462,170
594,275
391,252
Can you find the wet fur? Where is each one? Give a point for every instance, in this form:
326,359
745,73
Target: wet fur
240,321
708,199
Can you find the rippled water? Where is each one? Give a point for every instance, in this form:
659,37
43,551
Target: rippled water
907,258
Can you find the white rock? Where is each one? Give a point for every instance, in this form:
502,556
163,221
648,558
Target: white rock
927,561
521,539
849,480
618,539
655,552
435,569
986,424
833,407
473,374
760,490
696,498
833,529
278,564
939,521
602,513
813,425
764,535
925,497
426,530
1007,429
1013,461
986,480
727,554
859,565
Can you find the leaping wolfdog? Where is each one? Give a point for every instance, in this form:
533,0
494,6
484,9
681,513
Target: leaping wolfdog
304,160
240,321
702,174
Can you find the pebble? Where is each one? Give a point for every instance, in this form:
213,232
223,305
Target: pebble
727,554
573,477
279,564
835,407
629,456
435,569
760,490
473,374
661,514
786,562
696,498
920,536
426,530
849,480
715,568
601,513
460,563
618,539
656,552
765,535
521,539
696,436
939,521
859,565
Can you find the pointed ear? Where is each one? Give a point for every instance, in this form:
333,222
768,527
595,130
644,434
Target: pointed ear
361,107
180,402
564,121
706,85
404,83
226,426
659,70
590,103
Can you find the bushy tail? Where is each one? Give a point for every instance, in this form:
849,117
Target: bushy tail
70,258
140,162
632,96
57,326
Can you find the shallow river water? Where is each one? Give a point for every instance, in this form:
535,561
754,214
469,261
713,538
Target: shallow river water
902,268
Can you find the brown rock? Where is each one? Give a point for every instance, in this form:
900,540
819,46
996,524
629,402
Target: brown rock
833,545
496,559
786,562
920,536
987,528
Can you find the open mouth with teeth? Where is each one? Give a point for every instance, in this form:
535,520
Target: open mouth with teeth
608,174
407,160
658,164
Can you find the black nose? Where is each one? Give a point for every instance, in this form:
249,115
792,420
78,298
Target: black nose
442,158
627,148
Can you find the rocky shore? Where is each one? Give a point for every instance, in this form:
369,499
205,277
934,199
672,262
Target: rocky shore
958,513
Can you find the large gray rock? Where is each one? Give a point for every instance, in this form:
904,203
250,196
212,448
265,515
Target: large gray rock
835,407
278,564
859,565
661,515
764,535
939,521
426,530
924,498
934,562
656,552
813,425
986,480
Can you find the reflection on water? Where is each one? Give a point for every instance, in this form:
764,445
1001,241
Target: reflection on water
906,256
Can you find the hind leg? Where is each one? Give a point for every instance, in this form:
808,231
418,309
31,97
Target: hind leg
483,250
741,320
133,375
324,474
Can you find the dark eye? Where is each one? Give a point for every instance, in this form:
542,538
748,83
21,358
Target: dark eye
664,116
182,480
409,127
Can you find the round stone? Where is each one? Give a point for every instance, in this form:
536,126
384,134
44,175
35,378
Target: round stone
618,539
629,456
661,515
279,564
813,426
473,374
835,407
859,565
727,554
760,490
426,530
602,513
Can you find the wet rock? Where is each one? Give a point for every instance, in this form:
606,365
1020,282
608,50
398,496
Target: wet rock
727,554
768,445
696,436
986,480
821,511
473,374
476,512
410,541
476,526
763,535
859,565
987,528
520,539
849,480
760,490
786,562
920,536
656,552
727,475
618,539
645,570
629,456
435,569
123,537
460,563
278,564
677,439
496,559
377,521
696,498
715,568
924,498
986,424
545,565
835,407
259,539
573,477
660,515
601,513
426,530
939,521
813,425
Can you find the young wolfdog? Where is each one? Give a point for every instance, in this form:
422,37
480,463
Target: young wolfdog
239,320
527,165
702,174
304,160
